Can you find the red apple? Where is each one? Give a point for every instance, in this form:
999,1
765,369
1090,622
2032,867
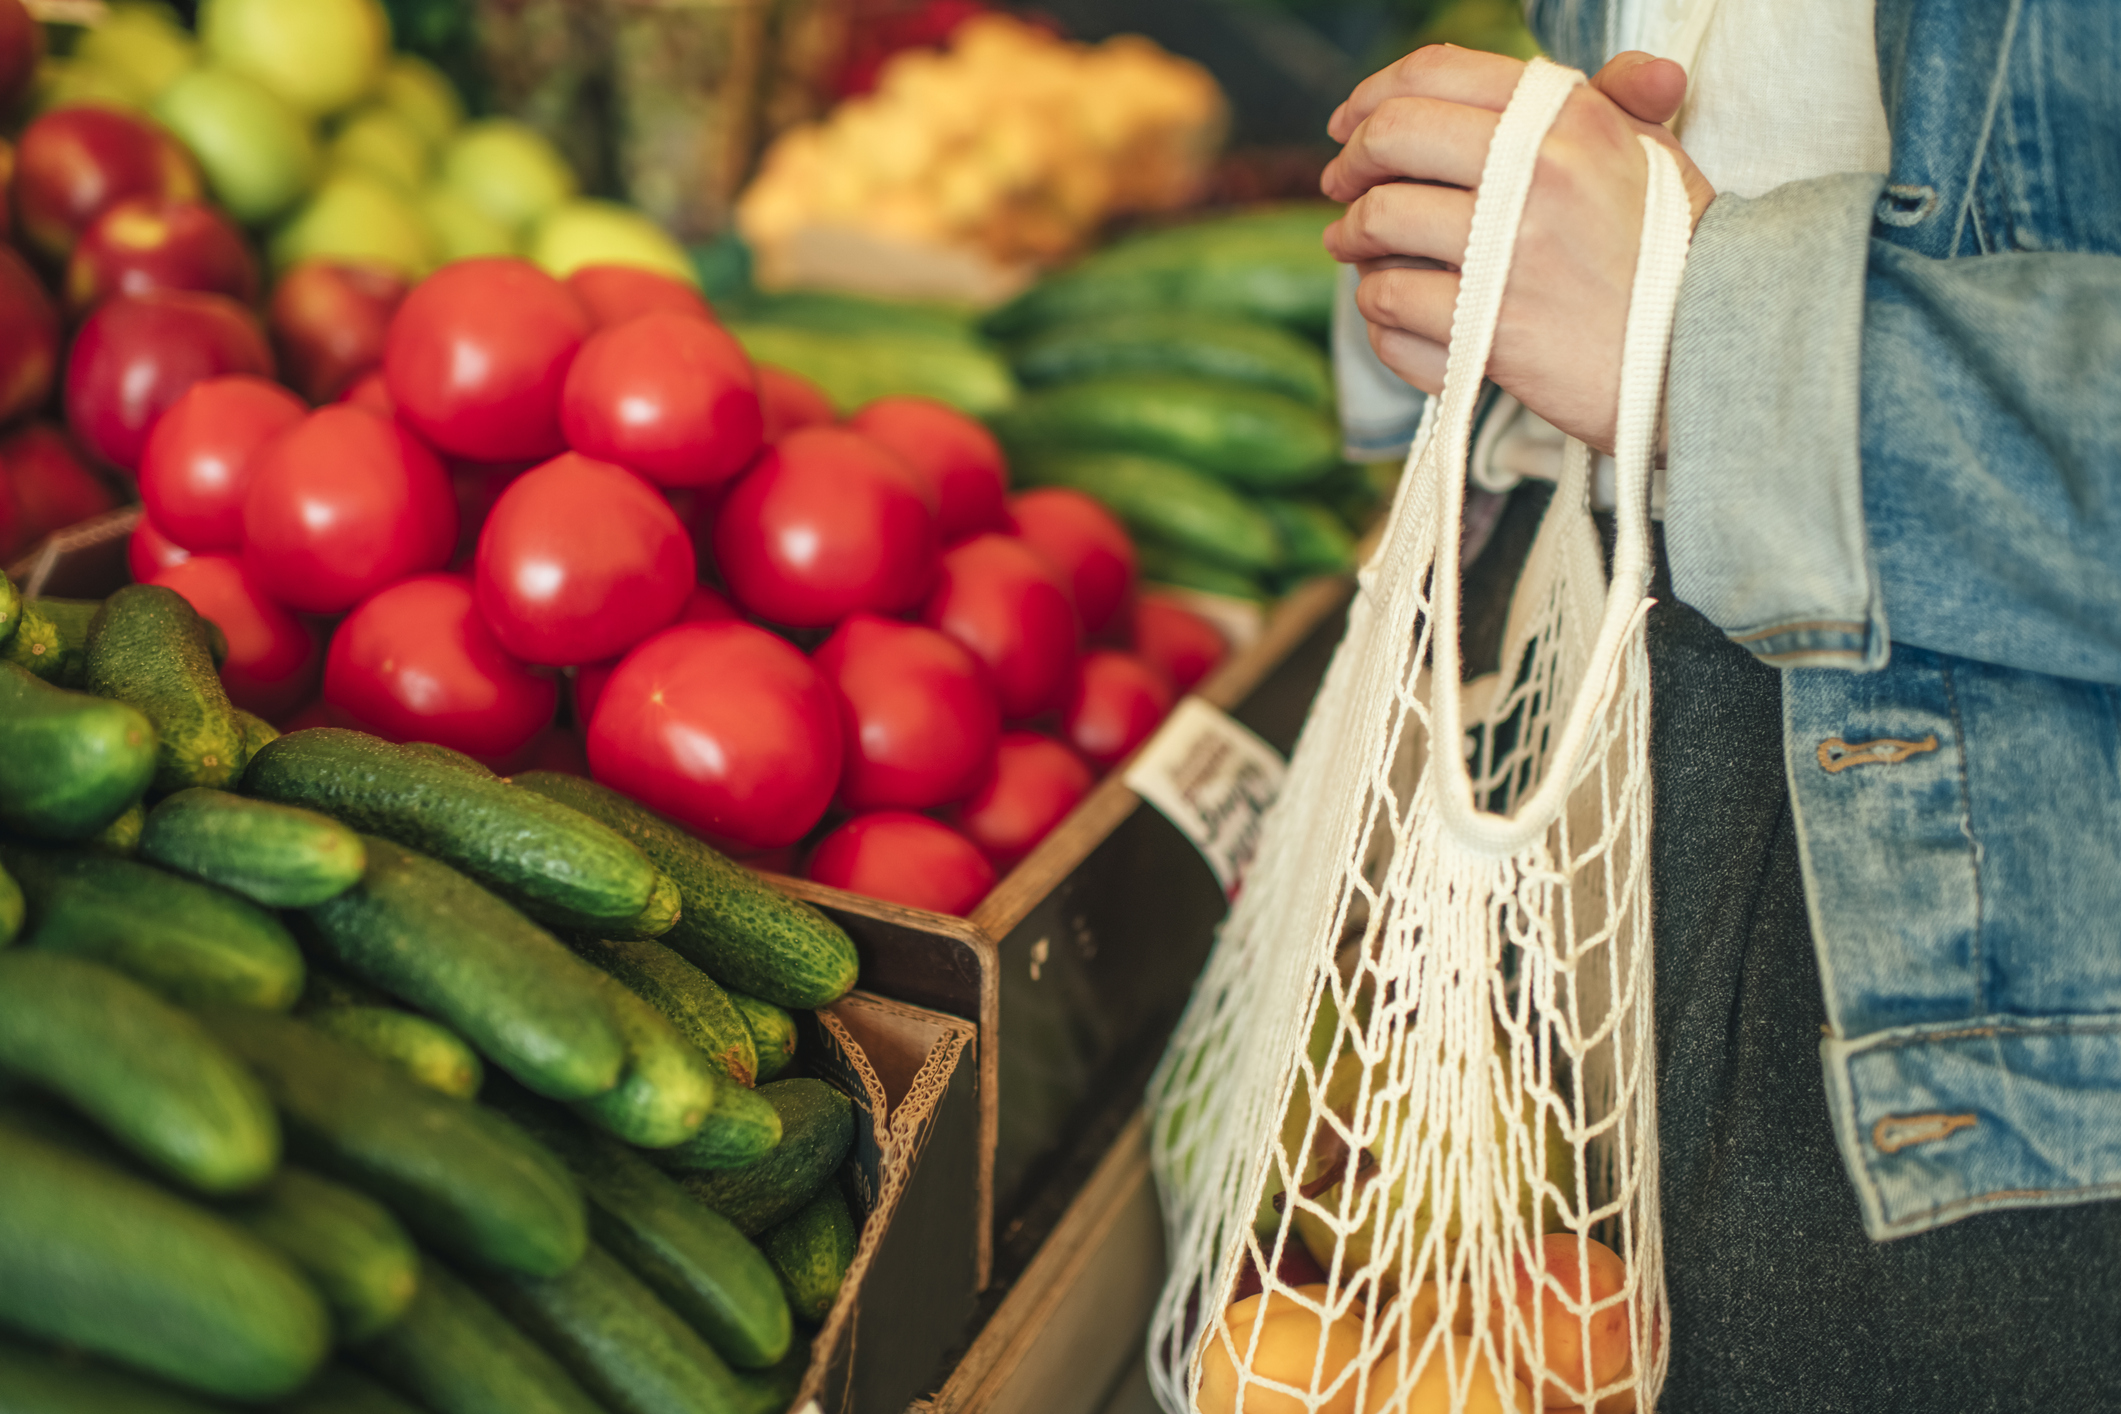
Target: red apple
149,243
328,319
21,46
73,164
7,174
52,487
614,294
29,337
137,354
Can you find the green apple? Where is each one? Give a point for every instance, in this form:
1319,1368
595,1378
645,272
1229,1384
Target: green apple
378,141
319,55
507,170
460,229
419,93
141,45
579,233
355,216
258,154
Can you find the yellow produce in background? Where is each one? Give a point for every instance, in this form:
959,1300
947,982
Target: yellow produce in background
355,216
319,56
142,47
578,233
379,141
1011,144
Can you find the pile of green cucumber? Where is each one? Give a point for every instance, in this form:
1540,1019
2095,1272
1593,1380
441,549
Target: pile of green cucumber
348,1077
1178,377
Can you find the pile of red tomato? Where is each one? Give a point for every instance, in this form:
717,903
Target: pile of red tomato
782,630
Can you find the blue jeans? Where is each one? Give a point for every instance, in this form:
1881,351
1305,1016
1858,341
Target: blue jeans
1780,1303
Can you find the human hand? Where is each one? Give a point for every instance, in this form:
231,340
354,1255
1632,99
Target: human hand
1416,136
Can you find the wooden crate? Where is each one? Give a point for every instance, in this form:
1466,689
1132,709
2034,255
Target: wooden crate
1077,964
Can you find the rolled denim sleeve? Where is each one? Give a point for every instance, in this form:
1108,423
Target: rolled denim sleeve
1764,500
1992,455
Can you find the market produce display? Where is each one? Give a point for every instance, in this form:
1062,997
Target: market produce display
496,1162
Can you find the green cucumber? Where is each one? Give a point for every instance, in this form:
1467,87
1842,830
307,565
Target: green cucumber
70,618
461,1177
148,647
627,1348
327,988
554,863
188,941
36,1381
857,368
424,933
1280,277
811,1251
426,1050
121,837
773,1034
817,1130
94,1257
69,763
1166,501
277,855
38,648
668,1088
773,1390
693,1001
692,1257
740,1129
146,1073
1249,437
348,1245
256,732
449,756
734,926
1182,569
1317,542
10,609
832,312
339,1390
12,907
455,1354
1177,341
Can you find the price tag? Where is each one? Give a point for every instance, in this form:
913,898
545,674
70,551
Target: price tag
1213,779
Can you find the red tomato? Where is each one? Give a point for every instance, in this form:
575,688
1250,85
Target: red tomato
1177,642
137,354
590,679
53,487
196,468
372,392
416,663
477,355
1010,608
824,524
920,720
1084,541
579,561
707,606
724,728
1035,782
671,396
956,457
905,858
342,504
1116,702
613,294
789,401
272,655
477,486
148,552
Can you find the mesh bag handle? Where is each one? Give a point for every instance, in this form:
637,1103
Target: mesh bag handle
1410,1107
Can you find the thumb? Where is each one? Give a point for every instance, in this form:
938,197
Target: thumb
1647,88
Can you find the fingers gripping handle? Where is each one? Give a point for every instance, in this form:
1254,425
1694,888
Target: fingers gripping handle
1506,181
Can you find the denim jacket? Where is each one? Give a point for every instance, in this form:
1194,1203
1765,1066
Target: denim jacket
1895,473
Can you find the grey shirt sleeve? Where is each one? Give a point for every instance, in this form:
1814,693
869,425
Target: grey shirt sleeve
1764,518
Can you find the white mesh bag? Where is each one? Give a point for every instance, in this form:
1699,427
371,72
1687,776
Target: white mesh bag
1413,1096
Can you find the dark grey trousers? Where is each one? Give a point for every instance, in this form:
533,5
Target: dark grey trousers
1780,1304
